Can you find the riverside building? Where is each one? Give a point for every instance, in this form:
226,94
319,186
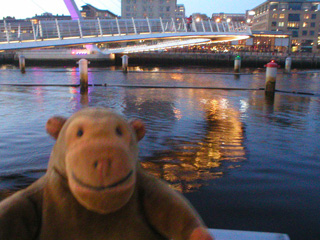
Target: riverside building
229,17
180,13
261,41
166,9
299,18
90,12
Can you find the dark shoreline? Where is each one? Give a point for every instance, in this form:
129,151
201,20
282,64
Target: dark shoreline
220,59
257,60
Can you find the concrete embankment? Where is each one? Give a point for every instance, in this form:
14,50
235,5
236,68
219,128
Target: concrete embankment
55,57
256,60
224,59
7,57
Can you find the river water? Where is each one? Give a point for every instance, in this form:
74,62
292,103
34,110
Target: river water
245,160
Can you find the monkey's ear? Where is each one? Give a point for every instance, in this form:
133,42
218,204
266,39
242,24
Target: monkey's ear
54,126
138,127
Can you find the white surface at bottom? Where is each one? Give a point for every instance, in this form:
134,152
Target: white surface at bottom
220,234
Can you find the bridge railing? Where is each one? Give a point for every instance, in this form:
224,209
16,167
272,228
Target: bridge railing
64,29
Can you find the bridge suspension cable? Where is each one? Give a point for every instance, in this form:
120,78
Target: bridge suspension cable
38,6
117,3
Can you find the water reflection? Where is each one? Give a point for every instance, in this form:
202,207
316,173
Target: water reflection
7,66
193,136
236,76
286,110
144,69
84,99
208,149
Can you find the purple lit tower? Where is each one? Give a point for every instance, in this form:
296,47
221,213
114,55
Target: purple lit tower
73,9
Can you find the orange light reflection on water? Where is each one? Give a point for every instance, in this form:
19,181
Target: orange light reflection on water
191,164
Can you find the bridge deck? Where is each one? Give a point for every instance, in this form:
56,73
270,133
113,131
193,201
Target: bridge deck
27,34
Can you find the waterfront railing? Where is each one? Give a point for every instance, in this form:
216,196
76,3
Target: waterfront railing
13,32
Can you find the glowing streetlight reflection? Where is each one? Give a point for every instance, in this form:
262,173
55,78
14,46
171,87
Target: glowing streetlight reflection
190,162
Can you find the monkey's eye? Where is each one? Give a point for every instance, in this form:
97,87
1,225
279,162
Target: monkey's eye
80,133
119,131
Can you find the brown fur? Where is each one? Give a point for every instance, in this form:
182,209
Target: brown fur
94,188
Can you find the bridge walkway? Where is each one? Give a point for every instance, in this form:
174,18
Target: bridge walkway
31,34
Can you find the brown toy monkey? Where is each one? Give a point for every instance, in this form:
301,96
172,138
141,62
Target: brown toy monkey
95,189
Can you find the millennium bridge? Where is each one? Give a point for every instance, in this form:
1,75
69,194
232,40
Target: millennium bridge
166,32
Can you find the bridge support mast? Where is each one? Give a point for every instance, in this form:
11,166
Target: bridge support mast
73,9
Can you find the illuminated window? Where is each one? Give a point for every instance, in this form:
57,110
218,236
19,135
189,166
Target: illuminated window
275,15
281,24
293,24
282,15
305,24
306,16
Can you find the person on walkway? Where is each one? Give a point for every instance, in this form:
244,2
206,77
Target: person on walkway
189,22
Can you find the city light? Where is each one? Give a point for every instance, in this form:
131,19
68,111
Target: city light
79,52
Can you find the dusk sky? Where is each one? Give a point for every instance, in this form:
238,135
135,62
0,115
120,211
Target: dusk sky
28,8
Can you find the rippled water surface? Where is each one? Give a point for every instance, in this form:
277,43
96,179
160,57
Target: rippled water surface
245,160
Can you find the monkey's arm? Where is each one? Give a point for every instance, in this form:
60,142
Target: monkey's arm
169,212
